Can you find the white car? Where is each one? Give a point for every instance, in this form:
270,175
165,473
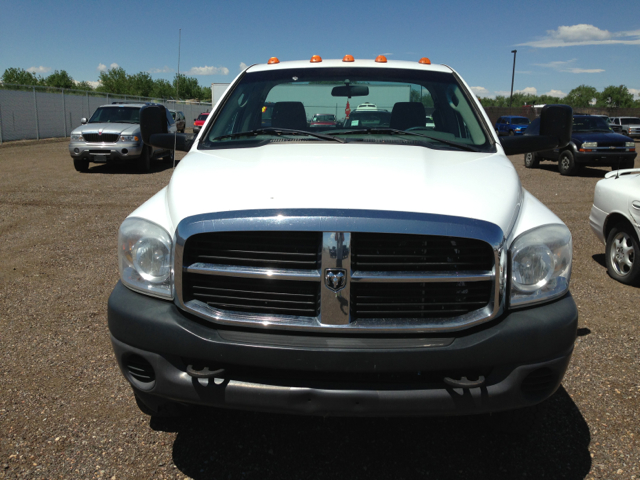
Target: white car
615,219
371,270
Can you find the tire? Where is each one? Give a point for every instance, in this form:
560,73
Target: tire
81,165
169,156
144,162
511,133
622,252
498,133
531,160
567,164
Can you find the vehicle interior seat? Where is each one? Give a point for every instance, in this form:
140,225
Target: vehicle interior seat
289,115
406,115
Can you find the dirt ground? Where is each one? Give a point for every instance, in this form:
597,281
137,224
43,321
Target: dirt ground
66,411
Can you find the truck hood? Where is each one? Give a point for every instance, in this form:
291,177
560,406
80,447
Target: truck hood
118,128
482,186
600,137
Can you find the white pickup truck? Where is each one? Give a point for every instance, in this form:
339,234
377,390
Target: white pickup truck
390,269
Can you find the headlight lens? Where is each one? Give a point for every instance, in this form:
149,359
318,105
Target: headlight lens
540,265
129,138
630,144
145,257
77,137
589,144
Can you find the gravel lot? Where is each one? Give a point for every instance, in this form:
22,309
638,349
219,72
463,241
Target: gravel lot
66,411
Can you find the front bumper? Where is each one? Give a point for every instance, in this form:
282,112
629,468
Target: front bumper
105,152
603,157
197,128
522,355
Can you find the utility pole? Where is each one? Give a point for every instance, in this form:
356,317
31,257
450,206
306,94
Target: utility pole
513,74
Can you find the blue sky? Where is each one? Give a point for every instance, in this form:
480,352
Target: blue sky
560,44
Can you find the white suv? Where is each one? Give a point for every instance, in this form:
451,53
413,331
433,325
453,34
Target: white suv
370,270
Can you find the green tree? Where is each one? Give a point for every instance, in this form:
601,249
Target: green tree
422,96
59,79
186,87
84,85
615,97
20,77
162,89
114,80
140,84
581,97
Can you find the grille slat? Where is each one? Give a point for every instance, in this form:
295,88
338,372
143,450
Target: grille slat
386,252
256,296
278,250
104,138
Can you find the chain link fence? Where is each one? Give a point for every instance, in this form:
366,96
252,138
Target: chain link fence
34,112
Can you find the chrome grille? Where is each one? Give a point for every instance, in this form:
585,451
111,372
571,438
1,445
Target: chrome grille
104,138
286,279
389,252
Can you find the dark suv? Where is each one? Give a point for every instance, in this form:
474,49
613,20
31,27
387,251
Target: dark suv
592,143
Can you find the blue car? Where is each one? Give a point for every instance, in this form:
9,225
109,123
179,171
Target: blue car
511,125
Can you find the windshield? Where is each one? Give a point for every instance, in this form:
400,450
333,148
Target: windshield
520,121
590,124
203,116
373,105
116,115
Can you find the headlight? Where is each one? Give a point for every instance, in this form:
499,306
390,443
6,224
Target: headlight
129,138
540,265
630,144
589,144
77,137
145,257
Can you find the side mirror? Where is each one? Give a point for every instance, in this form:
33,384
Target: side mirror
153,129
83,121
551,130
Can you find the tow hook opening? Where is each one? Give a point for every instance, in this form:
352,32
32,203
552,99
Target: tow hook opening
471,381
205,372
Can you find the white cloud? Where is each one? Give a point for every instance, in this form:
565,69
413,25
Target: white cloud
208,71
114,65
243,66
583,34
481,92
565,66
556,93
39,69
527,91
93,84
635,92
165,69
102,67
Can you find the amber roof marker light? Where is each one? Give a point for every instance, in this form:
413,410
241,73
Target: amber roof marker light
381,59
425,61
273,60
348,58
316,59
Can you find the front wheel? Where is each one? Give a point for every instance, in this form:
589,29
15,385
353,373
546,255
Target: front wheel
531,160
511,133
81,165
567,164
622,252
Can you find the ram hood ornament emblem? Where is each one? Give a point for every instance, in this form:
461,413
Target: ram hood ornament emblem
335,278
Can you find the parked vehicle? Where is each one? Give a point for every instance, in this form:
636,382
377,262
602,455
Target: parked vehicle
512,125
112,134
199,122
367,106
629,126
181,121
368,119
323,120
431,284
615,219
592,143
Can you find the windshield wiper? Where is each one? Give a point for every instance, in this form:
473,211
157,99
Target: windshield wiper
394,131
278,131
